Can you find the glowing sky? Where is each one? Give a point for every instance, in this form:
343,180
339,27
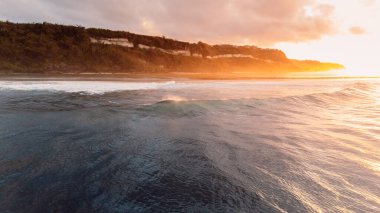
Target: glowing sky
356,44
344,31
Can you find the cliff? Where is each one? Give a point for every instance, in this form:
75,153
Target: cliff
51,48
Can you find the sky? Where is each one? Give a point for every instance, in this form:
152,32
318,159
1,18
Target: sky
342,31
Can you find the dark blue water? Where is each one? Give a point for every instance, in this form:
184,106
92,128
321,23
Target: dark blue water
286,146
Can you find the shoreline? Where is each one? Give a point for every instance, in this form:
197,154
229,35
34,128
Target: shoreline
160,77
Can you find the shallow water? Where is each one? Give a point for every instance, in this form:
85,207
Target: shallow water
190,146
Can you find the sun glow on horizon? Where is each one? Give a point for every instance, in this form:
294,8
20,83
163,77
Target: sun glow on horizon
356,46
357,73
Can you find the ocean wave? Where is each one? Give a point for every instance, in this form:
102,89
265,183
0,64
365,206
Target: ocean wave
214,146
172,99
352,92
101,87
90,87
207,95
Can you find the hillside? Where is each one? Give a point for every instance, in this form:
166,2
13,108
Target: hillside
51,48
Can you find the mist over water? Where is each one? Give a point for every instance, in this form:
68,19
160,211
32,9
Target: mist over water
190,146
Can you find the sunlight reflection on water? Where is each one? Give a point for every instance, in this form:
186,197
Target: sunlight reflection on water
211,146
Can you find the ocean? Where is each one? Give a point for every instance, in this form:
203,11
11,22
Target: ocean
189,146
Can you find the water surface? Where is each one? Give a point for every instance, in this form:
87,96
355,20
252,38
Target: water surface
190,146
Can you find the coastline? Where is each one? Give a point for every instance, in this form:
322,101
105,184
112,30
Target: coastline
145,76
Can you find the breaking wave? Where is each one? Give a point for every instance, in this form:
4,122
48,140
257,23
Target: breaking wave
91,87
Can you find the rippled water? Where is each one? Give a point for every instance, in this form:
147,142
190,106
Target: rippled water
191,146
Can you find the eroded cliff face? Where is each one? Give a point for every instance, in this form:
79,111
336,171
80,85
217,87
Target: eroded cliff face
49,48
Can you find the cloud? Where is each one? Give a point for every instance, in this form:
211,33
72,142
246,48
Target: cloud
262,22
356,30
368,2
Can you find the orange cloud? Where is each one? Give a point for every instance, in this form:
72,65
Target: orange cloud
356,30
368,2
262,22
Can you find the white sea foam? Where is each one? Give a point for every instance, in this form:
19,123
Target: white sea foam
99,87
224,89
92,87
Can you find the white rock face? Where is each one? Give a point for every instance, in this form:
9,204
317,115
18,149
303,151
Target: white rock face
115,41
125,43
230,56
182,52
142,46
176,52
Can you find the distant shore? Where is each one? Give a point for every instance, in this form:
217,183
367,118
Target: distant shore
158,76
72,50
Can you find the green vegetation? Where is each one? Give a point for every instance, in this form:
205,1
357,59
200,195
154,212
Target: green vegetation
51,48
